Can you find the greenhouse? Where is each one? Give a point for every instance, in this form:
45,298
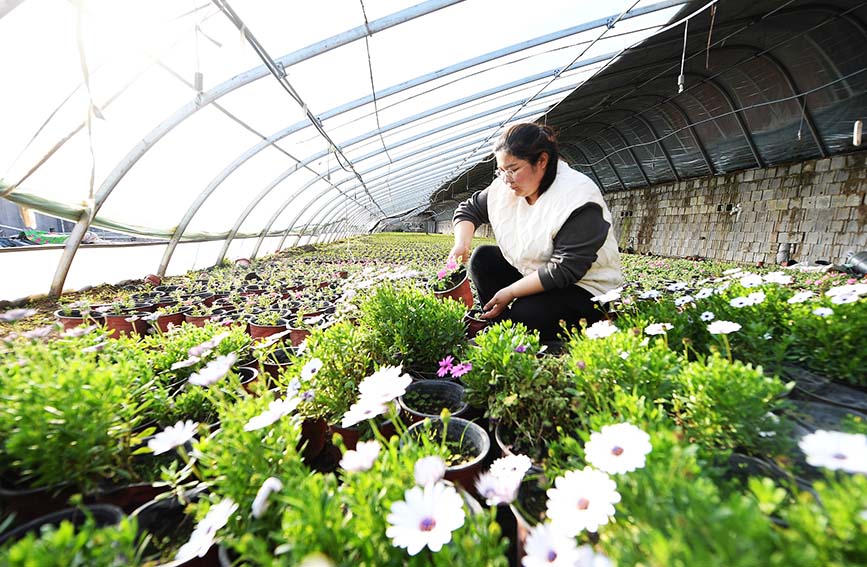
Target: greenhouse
443,282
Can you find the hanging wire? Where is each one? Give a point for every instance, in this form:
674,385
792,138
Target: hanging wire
681,79
92,109
729,113
279,73
710,35
608,27
373,94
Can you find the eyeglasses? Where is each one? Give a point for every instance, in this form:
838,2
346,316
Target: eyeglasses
508,173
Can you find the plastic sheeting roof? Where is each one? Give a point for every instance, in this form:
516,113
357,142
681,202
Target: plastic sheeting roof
188,119
766,82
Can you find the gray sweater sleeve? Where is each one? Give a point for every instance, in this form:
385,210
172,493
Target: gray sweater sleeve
575,247
474,209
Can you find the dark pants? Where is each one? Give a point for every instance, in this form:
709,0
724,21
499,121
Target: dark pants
543,311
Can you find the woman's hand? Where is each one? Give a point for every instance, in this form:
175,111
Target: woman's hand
498,303
460,253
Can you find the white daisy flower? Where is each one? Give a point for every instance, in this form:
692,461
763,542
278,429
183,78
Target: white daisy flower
857,289
600,330
362,410
751,280
650,294
582,500
173,436
546,547
732,271
658,328
618,449
384,385
683,300
608,297
203,535
624,354
260,503
721,288
778,278
429,470
707,316
497,490
214,371
310,369
362,458
835,450
511,465
723,327
277,409
800,297
704,292
756,297
844,298
823,311
739,302
426,517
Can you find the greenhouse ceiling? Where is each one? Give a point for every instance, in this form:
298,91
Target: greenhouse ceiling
268,120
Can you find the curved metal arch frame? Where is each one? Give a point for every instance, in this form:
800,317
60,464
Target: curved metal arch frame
578,149
441,142
620,135
282,208
187,110
256,201
608,161
790,82
370,28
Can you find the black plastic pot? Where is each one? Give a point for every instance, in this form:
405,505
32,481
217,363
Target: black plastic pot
103,514
449,395
474,442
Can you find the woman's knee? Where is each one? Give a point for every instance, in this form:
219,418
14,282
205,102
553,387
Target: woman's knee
485,256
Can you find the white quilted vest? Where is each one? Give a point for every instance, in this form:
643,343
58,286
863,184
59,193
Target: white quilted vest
525,233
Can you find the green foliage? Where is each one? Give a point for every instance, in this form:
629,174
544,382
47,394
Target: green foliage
833,345
69,546
627,361
346,361
69,412
348,524
411,327
723,405
670,515
236,462
165,350
496,361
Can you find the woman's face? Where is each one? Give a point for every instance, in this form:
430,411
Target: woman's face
522,177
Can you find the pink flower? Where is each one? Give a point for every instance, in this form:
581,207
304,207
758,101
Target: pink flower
445,366
451,264
461,369
442,273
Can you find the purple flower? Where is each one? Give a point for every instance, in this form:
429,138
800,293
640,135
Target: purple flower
461,369
445,366
521,348
17,314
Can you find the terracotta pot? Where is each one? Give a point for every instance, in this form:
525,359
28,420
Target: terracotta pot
163,321
461,291
349,435
297,336
313,434
119,326
260,332
153,279
474,324
198,320
75,319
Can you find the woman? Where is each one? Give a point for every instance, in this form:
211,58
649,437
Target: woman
556,247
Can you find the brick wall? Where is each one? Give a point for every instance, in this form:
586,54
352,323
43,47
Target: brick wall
817,207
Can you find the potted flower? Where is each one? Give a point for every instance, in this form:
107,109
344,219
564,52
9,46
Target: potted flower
267,323
72,315
452,282
428,398
414,341
475,324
